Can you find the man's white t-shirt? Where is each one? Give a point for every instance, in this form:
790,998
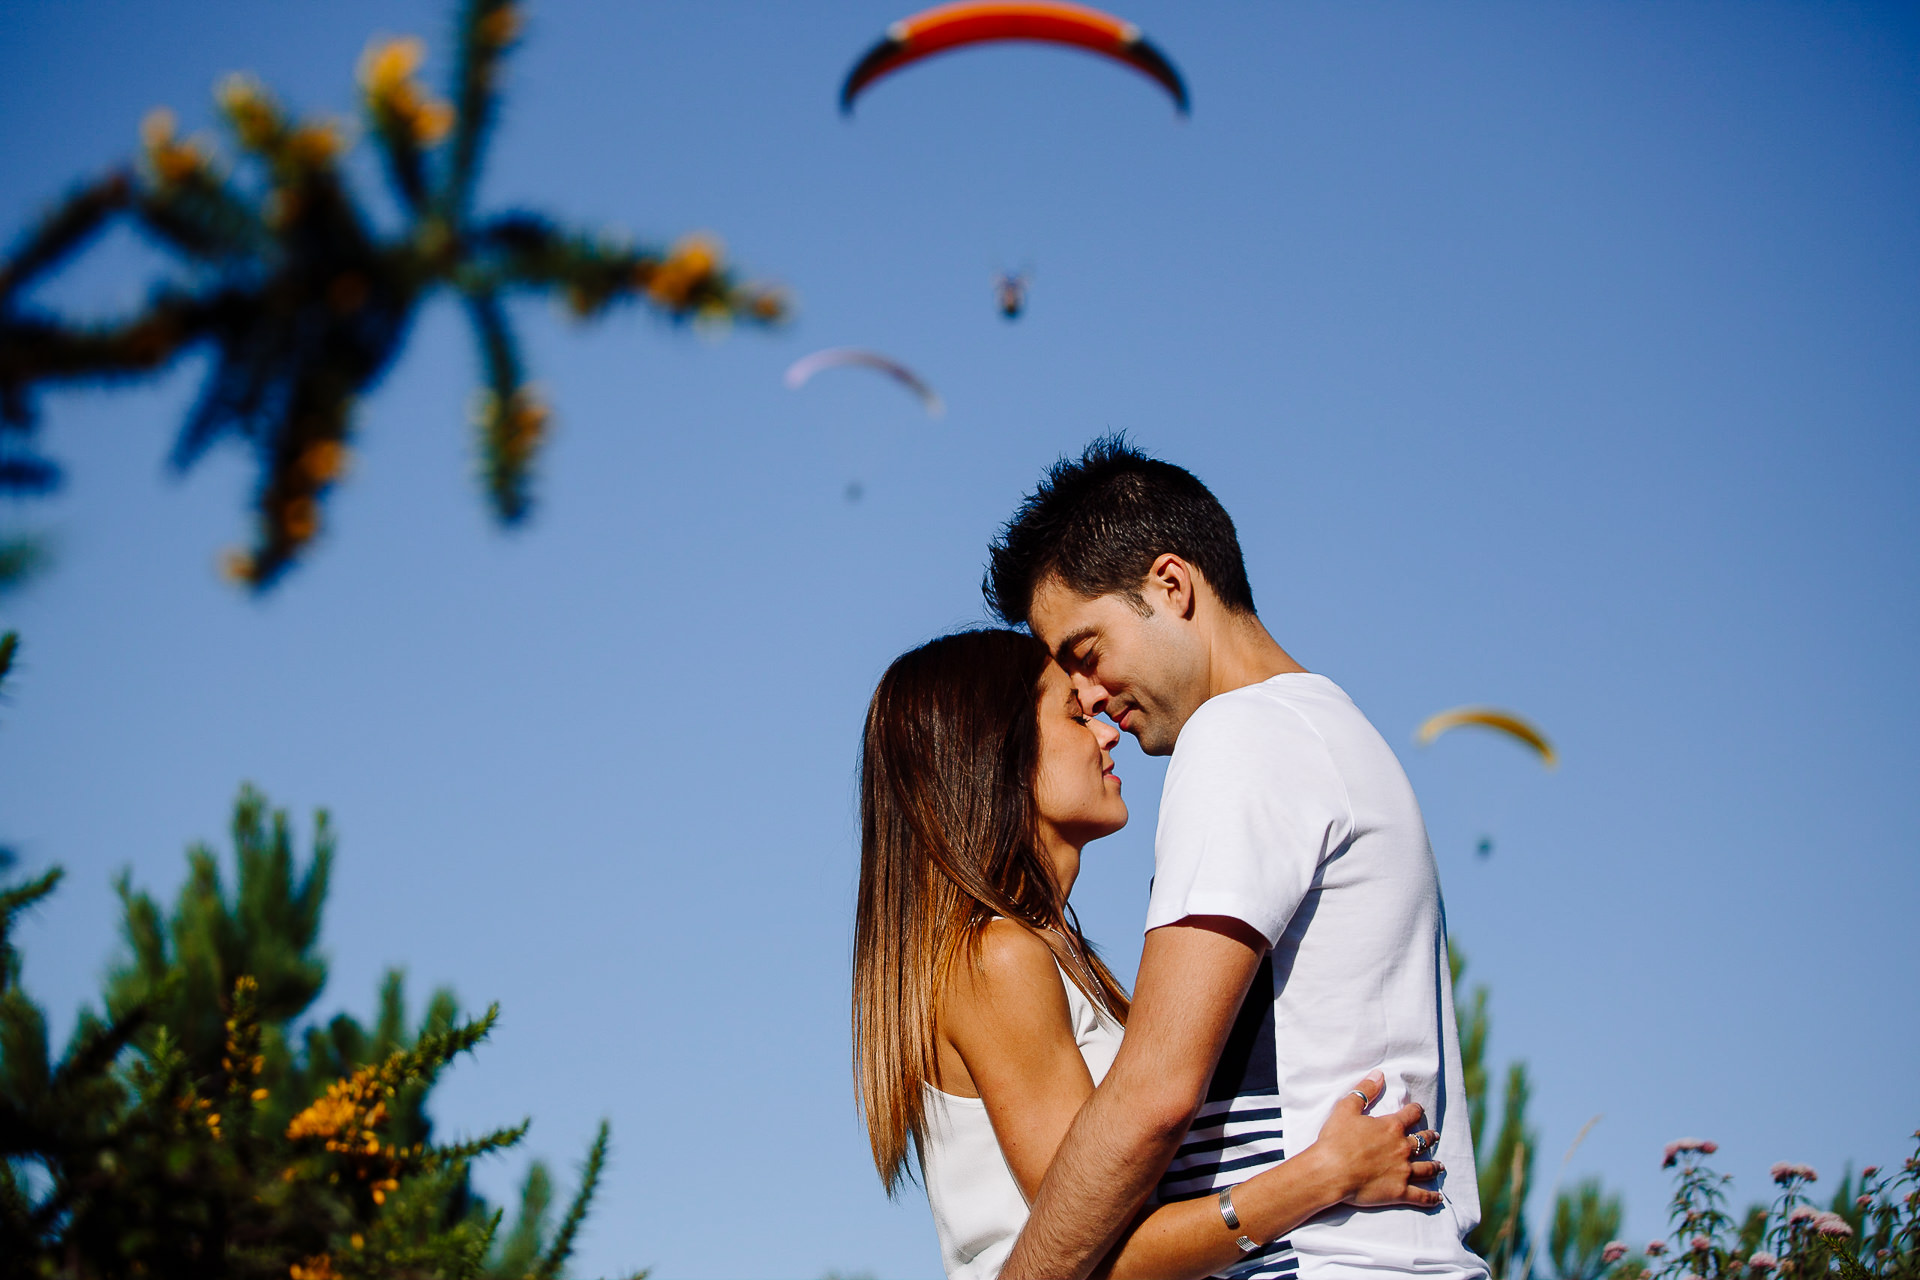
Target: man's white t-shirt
1284,808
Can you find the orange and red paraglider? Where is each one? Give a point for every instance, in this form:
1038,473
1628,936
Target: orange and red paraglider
955,26
1490,718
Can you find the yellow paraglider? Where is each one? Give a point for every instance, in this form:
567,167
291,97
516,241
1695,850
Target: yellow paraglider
1489,718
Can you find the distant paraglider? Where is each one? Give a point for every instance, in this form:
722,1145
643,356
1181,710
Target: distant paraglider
955,26
1489,718
835,357
1010,293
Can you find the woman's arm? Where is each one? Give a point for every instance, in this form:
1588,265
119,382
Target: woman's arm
1357,1159
1007,1037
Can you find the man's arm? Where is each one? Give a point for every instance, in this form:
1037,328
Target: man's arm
1193,976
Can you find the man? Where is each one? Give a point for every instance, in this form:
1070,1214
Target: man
1295,937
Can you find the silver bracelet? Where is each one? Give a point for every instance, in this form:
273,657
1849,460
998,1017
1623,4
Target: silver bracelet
1233,1222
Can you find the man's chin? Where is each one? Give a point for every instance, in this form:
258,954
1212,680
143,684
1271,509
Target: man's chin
1150,742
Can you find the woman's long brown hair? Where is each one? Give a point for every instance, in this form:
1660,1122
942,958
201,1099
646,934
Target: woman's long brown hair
948,840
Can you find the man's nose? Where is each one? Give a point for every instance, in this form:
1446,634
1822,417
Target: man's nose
1093,695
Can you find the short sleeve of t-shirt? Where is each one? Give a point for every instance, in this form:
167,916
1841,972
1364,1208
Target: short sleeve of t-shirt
1252,805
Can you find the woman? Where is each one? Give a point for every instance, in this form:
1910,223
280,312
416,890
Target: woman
982,1019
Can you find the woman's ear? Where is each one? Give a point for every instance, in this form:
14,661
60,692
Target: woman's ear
1170,582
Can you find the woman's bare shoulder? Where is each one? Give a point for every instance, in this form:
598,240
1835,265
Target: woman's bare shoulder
1011,965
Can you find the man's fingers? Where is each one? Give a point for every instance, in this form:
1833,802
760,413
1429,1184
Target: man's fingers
1422,1198
1425,1170
1412,1116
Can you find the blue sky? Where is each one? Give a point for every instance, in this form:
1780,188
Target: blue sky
1560,357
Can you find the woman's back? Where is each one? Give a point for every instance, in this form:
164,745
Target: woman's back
977,1206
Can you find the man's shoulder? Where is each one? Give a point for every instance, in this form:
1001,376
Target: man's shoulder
1286,712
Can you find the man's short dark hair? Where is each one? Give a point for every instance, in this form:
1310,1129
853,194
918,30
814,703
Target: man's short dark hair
1099,523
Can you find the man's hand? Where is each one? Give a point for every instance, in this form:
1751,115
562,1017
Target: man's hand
1193,976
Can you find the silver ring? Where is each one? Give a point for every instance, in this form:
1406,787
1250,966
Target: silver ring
1365,1101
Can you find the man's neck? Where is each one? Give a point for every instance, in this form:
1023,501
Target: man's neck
1244,653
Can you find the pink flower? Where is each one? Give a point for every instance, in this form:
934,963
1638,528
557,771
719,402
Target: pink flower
1802,1213
1701,1244
1863,1203
1702,1145
1763,1261
1870,1171
1656,1247
1782,1173
1832,1224
1615,1250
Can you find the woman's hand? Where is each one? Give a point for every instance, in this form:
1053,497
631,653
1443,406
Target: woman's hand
1378,1159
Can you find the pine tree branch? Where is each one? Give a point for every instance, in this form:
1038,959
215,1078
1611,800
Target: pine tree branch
510,423
562,1247
487,29
64,230
16,900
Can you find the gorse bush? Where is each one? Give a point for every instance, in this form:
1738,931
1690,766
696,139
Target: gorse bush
204,1126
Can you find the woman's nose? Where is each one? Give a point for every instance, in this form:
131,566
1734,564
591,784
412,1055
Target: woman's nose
1104,734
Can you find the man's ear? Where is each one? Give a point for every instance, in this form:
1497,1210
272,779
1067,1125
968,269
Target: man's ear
1170,582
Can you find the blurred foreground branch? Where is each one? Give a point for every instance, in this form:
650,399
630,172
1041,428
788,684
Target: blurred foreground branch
304,303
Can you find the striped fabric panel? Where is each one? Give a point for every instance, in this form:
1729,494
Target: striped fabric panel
1229,1141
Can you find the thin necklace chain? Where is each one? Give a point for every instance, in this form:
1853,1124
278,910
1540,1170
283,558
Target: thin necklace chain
1080,961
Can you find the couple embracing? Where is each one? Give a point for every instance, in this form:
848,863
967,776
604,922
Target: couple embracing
1286,1098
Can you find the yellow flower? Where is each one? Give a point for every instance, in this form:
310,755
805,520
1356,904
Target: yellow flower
329,1114
432,120
301,520
318,1267
251,108
386,75
388,64
501,26
768,304
323,460
172,160
689,265
259,1095
315,143
236,565
156,128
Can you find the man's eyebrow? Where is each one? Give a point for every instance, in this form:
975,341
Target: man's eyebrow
1063,652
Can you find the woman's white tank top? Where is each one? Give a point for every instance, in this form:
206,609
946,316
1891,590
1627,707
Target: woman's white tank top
978,1209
